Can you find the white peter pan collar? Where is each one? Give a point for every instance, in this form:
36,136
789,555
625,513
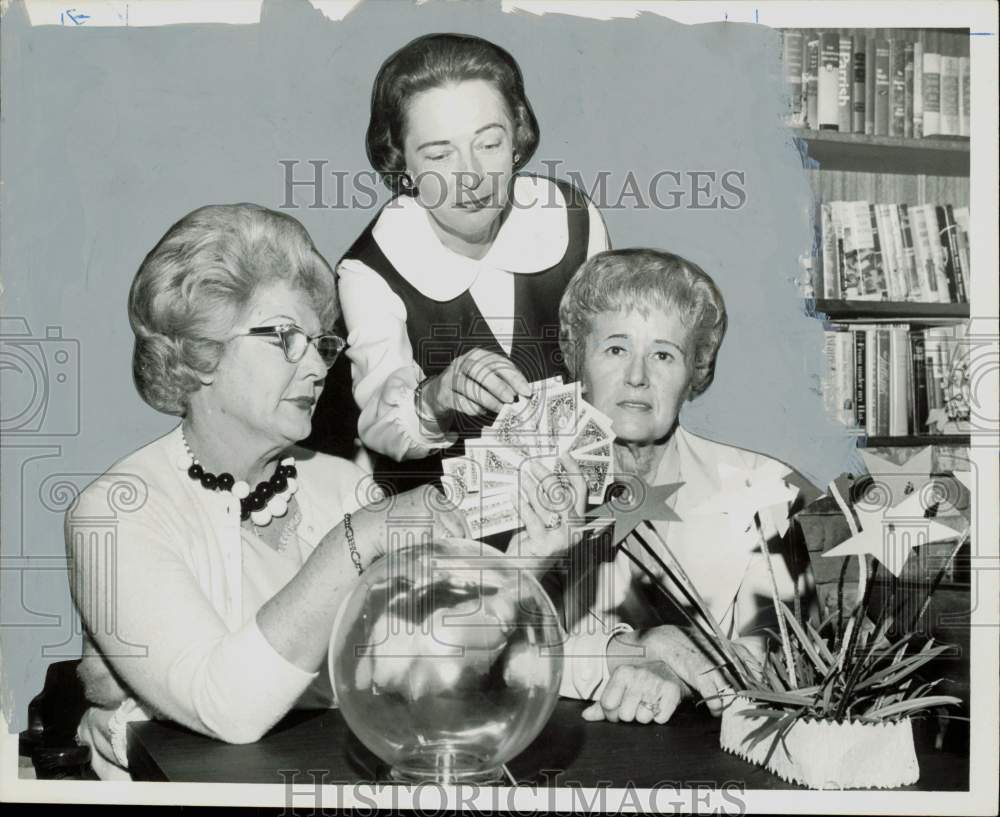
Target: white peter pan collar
533,238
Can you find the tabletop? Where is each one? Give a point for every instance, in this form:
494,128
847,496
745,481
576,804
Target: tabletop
684,752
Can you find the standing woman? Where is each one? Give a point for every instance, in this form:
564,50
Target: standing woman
451,295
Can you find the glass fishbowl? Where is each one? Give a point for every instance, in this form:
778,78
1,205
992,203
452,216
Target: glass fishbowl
446,659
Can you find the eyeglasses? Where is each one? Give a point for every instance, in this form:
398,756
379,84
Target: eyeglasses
295,342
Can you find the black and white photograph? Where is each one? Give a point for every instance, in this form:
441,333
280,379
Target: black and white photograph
536,405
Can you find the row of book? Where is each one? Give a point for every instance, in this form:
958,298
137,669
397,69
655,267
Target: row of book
893,252
875,85
889,379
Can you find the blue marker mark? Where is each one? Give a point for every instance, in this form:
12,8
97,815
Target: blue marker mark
982,33
78,18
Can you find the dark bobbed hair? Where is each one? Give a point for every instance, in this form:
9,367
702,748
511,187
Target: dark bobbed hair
644,279
435,61
194,285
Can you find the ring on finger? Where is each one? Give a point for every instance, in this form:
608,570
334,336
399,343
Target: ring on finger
654,708
555,521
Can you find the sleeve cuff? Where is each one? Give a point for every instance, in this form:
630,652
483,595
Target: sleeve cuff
585,662
420,437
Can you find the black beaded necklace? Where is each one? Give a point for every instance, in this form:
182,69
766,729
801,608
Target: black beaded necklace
265,499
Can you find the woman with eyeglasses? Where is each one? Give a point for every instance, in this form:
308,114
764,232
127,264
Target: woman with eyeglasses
451,294
213,605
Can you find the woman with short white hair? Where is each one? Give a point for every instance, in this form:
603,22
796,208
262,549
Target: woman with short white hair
641,330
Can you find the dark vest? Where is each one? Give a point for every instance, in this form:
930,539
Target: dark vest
441,331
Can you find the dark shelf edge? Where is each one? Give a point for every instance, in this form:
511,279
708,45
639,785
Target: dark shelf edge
915,440
831,150
885,310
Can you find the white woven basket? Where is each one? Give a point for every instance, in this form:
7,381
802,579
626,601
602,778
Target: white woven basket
827,755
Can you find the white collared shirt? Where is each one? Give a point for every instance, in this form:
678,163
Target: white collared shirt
727,566
533,238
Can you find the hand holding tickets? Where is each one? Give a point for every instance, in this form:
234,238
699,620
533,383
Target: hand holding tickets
552,423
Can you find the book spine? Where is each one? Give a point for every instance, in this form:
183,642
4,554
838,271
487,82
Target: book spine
831,272
898,258
919,374
830,377
829,69
791,61
888,257
964,79
932,94
922,253
845,375
869,85
935,391
882,381
918,92
962,231
897,87
908,94
863,246
882,82
878,257
945,253
898,382
956,256
845,287
845,85
909,254
949,96
858,86
860,385
812,84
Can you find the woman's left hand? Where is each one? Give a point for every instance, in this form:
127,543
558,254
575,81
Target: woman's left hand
551,506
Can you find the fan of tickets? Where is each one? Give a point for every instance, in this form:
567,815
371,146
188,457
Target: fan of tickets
553,421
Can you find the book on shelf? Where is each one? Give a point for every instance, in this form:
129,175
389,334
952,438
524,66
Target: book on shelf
964,78
892,379
874,251
858,79
897,87
792,53
908,95
845,85
827,104
883,84
880,82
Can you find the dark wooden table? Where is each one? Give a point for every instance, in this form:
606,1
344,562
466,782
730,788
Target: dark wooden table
570,751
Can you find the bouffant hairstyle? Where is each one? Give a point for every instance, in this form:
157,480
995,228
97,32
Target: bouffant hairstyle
435,61
640,280
196,282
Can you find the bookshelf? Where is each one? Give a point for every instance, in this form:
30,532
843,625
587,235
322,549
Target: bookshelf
862,146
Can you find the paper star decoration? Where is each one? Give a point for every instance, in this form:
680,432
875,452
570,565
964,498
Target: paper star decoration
744,492
638,503
891,534
894,483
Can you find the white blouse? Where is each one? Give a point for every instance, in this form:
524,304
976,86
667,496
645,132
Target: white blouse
533,238
183,590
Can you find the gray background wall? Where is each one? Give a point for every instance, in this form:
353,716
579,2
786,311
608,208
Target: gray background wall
110,135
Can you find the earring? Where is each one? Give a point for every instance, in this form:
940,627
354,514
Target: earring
517,157
406,182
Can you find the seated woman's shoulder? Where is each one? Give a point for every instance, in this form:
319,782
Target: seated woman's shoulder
131,482
706,450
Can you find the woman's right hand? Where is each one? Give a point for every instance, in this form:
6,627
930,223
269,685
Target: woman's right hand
422,510
475,383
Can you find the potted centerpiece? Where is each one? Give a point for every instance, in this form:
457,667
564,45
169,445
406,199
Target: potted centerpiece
832,706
